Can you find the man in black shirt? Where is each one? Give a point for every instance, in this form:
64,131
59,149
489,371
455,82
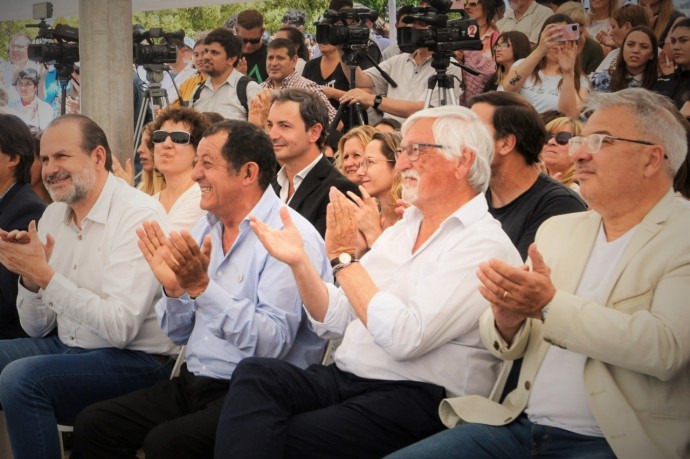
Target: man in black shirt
250,29
519,196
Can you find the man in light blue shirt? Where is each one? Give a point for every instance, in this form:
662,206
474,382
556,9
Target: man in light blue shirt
224,297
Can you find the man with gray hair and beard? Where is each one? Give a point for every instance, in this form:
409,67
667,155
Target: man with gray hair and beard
407,311
86,293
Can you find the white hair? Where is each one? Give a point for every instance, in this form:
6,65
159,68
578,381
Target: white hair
456,128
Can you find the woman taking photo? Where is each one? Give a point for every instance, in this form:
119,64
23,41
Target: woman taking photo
509,47
636,65
380,188
176,134
550,78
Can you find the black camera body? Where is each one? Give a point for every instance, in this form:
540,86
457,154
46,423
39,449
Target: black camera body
63,53
346,27
150,53
442,35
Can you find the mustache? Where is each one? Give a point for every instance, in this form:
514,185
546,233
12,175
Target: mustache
413,174
56,177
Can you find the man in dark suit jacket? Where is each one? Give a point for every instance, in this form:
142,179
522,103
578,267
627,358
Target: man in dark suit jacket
296,125
18,206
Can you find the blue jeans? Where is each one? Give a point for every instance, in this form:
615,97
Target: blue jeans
44,382
519,439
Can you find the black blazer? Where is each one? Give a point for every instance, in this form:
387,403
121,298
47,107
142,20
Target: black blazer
19,206
311,198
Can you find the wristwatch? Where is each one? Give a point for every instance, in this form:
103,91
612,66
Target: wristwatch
342,261
344,257
377,101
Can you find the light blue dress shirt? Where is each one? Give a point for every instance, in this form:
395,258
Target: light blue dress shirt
252,306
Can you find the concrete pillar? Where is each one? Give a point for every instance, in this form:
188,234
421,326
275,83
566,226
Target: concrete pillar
105,51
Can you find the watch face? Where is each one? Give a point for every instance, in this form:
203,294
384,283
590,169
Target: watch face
345,258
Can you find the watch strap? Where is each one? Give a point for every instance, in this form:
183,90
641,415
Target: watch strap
377,101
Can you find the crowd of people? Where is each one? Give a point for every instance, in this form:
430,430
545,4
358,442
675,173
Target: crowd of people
501,275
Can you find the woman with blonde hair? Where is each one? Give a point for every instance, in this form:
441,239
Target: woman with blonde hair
555,156
351,151
150,180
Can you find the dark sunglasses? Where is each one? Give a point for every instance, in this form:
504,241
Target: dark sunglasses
179,137
561,138
253,41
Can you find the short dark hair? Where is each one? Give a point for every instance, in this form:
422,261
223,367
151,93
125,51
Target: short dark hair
228,40
311,108
197,121
283,43
250,19
515,115
247,143
16,140
297,39
92,135
338,5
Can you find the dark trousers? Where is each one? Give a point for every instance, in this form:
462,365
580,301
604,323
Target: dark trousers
275,410
172,419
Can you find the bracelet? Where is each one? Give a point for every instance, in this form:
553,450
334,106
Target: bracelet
340,266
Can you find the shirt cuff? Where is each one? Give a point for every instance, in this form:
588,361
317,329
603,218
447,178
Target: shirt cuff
57,292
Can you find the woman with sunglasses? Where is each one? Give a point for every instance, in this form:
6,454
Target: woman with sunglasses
485,13
555,156
509,47
550,78
351,151
175,137
30,108
380,186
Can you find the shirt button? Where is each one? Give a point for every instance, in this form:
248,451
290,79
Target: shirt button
74,267
496,346
72,338
528,385
240,277
79,237
203,367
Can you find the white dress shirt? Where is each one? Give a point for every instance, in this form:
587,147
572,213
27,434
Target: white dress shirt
423,322
103,292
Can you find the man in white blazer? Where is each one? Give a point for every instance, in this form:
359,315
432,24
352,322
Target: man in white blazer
601,312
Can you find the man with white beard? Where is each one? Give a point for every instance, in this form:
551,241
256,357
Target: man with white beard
407,312
85,294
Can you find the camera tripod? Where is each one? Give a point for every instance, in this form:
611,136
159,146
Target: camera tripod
446,83
355,112
155,96
63,72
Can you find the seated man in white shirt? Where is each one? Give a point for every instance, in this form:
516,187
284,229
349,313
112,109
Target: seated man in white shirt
407,313
86,293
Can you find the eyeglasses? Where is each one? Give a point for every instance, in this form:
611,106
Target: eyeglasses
594,142
364,165
504,45
24,84
414,150
253,41
178,137
562,137
19,47
471,4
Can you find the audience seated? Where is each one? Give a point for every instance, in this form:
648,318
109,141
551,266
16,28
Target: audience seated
407,337
509,47
591,51
676,85
85,294
224,297
526,16
623,19
19,205
635,67
599,312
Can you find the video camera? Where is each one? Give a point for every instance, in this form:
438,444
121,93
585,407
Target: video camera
345,27
150,53
64,51
442,34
